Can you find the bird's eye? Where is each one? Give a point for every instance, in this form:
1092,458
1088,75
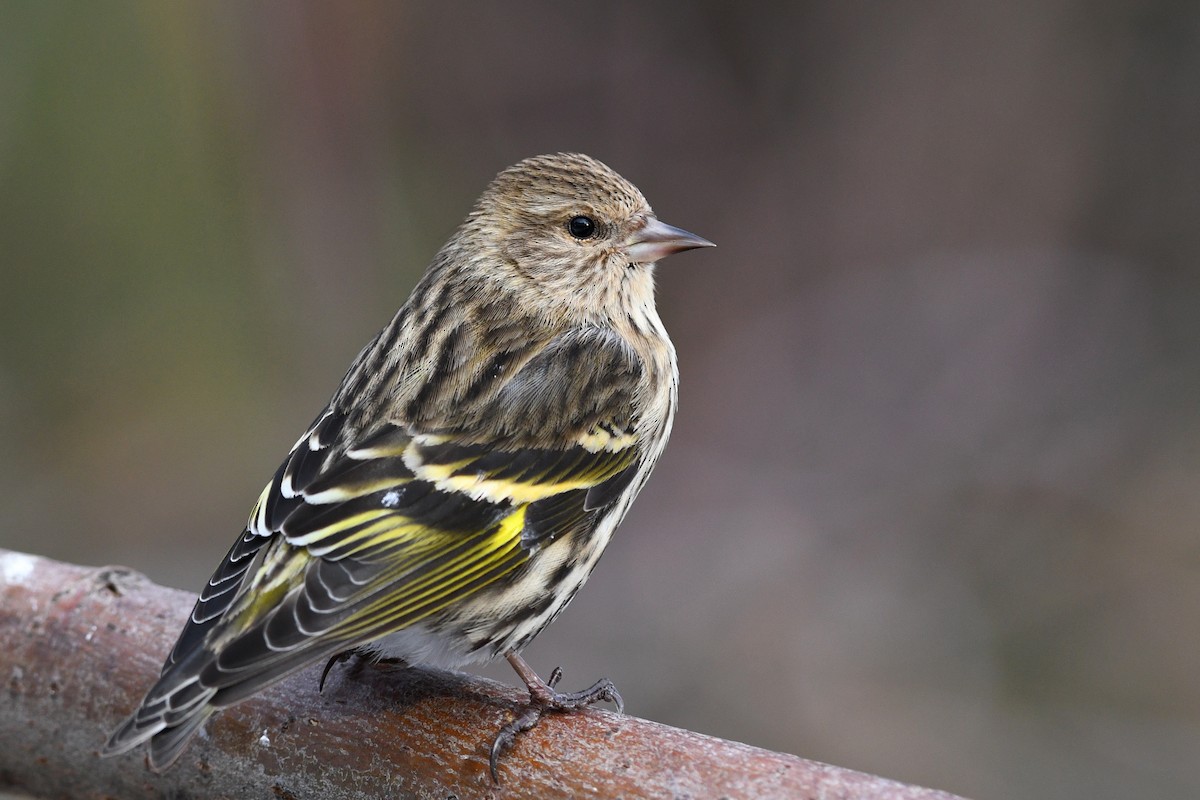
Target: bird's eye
581,227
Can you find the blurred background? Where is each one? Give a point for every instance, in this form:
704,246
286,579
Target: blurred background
930,509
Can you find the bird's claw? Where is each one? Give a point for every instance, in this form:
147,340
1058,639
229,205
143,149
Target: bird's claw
526,720
337,658
542,700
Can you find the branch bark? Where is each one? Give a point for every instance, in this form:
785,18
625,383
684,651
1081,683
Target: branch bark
79,646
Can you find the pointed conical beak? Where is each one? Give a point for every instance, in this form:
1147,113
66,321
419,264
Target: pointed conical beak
656,240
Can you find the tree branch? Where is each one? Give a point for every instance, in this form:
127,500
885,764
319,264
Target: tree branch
79,646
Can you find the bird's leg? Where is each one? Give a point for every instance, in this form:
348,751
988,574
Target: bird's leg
544,698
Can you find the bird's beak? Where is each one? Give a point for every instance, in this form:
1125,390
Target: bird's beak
656,240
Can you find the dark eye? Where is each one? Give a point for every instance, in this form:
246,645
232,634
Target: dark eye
581,227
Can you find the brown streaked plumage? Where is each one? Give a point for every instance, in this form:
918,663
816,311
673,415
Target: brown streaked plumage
465,478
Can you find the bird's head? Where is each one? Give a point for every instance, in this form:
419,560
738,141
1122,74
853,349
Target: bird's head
571,236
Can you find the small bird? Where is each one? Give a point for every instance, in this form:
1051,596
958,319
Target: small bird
469,471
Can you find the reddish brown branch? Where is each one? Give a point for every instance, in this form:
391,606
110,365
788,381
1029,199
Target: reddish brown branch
78,646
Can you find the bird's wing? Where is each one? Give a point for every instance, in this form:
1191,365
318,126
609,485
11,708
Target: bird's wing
354,539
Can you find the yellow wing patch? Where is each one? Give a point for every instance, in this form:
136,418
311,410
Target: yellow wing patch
522,475
481,561
499,490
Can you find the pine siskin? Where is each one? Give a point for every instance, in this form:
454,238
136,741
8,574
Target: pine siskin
468,473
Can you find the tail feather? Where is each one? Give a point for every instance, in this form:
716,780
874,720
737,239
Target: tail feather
187,695
170,713
167,745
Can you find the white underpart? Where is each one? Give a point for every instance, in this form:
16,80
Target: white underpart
418,644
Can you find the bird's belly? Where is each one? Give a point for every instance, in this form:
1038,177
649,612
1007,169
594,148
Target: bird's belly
422,644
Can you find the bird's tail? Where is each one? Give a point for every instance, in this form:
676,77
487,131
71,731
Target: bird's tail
190,691
172,711
167,742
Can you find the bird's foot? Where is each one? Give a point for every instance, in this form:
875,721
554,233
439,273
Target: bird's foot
543,699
